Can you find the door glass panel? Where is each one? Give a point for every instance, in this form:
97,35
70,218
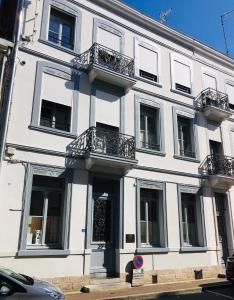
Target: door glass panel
101,219
34,232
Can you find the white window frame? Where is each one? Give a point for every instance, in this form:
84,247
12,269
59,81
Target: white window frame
200,219
153,47
65,7
163,233
51,171
183,60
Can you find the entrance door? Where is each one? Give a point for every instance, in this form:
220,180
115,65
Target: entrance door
104,231
221,224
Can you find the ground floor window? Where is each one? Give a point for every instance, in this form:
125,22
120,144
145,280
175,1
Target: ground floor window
46,209
45,216
192,224
151,215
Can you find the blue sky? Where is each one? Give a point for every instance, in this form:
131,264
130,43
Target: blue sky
199,19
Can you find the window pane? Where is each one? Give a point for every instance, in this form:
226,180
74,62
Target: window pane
62,117
148,127
50,182
143,232
34,232
67,36
46,114
53,217
184,137
53,29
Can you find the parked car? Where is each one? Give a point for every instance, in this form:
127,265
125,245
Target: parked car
15,286
230,268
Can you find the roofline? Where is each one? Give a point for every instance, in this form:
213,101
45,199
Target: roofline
155,26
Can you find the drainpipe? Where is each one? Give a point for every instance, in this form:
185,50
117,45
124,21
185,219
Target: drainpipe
9,93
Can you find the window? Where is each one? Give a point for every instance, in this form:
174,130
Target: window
149,127
148,63
46,211
61,25
181,74
188,203
45,215
230,92
55,115
209,81
185,137
151,215
185,134
55,103
192,225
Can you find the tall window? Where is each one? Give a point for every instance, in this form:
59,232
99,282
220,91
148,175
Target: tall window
230,92
61,29
185,135
46,212
149,127
189,219
55,115
149,217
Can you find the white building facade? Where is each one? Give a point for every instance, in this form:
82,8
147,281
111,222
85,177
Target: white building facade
119,141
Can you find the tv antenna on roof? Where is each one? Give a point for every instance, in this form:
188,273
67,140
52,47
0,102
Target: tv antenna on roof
223,18
163,15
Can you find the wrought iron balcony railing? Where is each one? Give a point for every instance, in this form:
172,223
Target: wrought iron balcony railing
212,97
106,142
218,165
108,59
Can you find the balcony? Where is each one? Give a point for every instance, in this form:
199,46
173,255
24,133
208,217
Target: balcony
214,105
107,65
106,148
220,170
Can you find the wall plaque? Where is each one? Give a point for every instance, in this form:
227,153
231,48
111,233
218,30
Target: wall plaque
130,238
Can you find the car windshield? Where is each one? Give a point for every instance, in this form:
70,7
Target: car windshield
19,277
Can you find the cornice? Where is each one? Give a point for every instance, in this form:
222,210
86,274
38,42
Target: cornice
156,27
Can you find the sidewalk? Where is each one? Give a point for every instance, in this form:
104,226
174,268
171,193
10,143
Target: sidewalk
150,291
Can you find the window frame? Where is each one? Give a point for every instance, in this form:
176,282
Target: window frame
67,174
65,7
145,100
201,232
183,60
190,114
161,187
64,73
150,46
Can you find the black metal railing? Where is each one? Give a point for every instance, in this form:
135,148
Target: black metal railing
218,165
106,58
106,142
212,97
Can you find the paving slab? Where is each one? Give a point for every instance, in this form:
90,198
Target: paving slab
149,291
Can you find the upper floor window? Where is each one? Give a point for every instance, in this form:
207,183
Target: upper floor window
149,124
61,25
55,115
185,134
149,127
181,74
61,29
209,81
148,63
230,92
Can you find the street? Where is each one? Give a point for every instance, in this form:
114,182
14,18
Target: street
220,293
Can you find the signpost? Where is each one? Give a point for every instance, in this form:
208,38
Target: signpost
138,272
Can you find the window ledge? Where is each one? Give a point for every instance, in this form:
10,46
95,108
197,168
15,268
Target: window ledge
193,249
42,252
64,49
152,250
53,131
151,151
195,160
148,81
182,93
